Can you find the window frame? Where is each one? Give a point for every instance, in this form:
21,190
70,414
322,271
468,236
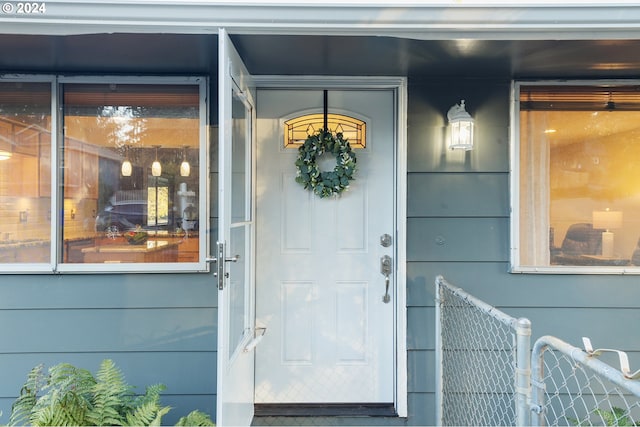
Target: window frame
515,193
56,264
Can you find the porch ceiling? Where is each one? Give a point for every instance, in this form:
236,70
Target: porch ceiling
322,55
336,55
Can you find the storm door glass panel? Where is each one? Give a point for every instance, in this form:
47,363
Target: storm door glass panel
130,169
25,172
239,272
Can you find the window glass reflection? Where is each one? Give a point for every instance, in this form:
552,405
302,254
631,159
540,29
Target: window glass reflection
25,172
578,178
130,173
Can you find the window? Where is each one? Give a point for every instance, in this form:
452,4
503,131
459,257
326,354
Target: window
576,177
25,172
127,182
298,129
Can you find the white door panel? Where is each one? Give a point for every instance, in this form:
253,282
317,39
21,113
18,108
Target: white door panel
234,266
319,285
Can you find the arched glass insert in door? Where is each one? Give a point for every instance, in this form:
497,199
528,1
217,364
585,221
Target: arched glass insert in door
299,128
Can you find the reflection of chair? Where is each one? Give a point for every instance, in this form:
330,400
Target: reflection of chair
581,239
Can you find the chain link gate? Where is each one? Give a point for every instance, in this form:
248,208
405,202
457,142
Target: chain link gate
483,355
484,375
572,387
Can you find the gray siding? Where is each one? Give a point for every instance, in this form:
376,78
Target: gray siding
458,212
157,329
458,227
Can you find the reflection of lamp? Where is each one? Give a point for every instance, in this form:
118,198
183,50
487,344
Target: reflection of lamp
5,155
461,128
607,220
185,167
126,168
156,167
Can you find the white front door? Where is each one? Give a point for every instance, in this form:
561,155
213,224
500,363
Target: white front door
319,286
236,234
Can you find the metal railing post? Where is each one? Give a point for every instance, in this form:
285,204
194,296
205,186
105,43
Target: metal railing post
438,343
523,371
537,383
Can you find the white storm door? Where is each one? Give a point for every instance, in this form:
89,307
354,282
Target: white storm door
318,280
236,235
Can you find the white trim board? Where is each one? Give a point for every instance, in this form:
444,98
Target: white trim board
433,20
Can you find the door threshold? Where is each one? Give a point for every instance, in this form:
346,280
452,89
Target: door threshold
325,409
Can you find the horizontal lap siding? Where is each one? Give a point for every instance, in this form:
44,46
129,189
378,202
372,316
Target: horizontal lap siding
156,328
72,291
448,239
491,281
458,213
109,330
458,226
196,375
439,194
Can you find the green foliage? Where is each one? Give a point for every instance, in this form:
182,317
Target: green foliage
325,183
70,396
615,417
26,401
147,410
195,418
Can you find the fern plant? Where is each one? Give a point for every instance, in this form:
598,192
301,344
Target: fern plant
196,418
111,397
70,396
66,398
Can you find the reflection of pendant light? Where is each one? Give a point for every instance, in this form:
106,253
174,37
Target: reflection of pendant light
5,155
156,168
185,167
126,168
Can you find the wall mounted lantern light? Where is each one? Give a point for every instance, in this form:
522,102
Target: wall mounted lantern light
126,168
460,128
156,167
185,167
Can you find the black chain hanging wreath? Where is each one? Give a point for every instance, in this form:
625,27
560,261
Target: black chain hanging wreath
325,183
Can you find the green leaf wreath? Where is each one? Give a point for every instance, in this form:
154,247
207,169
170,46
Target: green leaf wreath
325,183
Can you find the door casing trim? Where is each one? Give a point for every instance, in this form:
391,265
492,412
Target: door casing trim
399,85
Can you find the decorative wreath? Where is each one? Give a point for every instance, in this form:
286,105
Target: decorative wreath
325,183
